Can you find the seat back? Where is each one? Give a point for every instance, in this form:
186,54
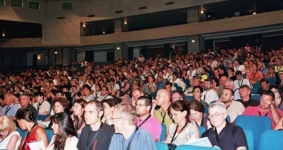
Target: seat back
256,124
49,134
272,80
271,139
163,132
255,97
250,139
191,147
21,132
256,86
201,130
41,117
161,146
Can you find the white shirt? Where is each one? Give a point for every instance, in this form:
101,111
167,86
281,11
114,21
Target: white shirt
180,83
70,144
235,109
209,95
240,68
4,143
44,106
237,85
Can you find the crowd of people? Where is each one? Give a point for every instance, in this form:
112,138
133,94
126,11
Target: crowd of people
124,105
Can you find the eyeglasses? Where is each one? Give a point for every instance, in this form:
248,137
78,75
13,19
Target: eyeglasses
214,115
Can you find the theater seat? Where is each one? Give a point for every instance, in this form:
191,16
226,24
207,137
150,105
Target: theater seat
250,139
163,132
271,140
49,134
161,146
256,124
191,147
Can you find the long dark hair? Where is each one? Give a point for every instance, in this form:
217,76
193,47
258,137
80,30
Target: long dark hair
77,121
66,129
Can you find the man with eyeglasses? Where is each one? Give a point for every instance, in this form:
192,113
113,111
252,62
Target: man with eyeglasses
225,135
266,108
96,135
145,120
127,135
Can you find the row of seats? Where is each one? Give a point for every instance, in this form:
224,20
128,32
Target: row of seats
269,140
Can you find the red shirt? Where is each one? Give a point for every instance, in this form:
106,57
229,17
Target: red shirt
254,111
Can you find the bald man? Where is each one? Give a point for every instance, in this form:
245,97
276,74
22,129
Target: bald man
162,114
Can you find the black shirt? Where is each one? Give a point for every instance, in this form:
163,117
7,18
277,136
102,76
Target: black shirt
250,102
33,110
230,137
102,140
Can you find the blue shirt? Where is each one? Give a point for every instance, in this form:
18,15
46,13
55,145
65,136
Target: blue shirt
10,111
140,140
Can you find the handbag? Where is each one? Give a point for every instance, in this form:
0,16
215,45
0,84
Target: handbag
171,146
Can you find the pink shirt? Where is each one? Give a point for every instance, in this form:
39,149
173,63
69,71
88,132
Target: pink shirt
253,111
151,125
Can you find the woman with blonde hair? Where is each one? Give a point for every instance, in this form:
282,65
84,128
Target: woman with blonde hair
10,139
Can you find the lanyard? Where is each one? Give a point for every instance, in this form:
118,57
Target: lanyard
144,121
163,116
264,115
89,145
7,110
174,138
242,80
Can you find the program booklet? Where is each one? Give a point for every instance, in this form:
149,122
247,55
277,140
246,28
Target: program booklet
204,142
36,145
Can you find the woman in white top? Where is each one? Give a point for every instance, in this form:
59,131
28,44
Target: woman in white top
65,137
183,130
9,138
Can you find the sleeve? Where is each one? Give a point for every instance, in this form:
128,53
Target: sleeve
145,141
157,129
47,107
82,140
72,144
240,138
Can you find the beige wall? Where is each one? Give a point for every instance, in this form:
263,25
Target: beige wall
21,14
197,28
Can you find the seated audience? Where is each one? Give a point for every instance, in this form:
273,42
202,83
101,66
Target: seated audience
145,120
225,135
209,94
64,133
265,108
264,86
183,130
108,108
245,94
234,108
197,114
26,121
177,95
10,139
10,108
25,103
78,115
162,114
95,135
42,106
127,135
